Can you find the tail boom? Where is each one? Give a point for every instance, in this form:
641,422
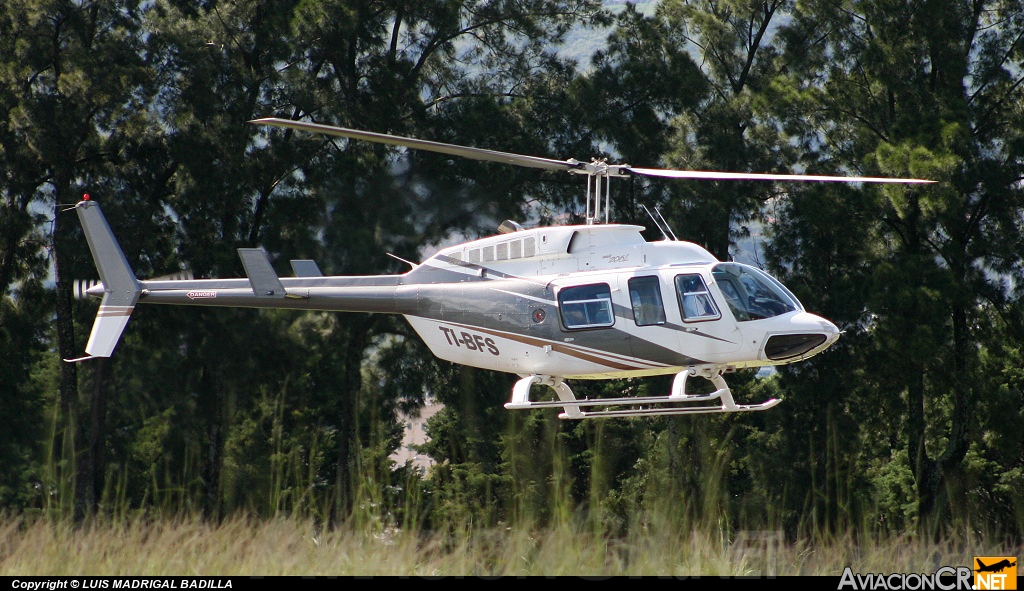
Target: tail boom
262,288
298,295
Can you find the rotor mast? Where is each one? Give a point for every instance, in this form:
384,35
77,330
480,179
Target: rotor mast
599,196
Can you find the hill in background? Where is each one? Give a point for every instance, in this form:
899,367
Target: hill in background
582,42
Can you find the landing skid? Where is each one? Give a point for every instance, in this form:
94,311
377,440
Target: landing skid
676,403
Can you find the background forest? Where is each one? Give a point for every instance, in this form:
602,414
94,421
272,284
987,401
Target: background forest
913,421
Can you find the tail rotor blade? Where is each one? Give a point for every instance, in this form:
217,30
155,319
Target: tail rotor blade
82,287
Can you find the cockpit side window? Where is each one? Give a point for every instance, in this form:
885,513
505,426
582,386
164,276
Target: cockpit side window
752,294
586,306
645,296
734,294
695,301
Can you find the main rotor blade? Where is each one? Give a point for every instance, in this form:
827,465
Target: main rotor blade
754,176
383,138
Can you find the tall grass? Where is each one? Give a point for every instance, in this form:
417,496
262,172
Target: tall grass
675,521
244,547
667,535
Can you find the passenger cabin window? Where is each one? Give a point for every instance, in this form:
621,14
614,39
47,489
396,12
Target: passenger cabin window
695,301
645,295
586,306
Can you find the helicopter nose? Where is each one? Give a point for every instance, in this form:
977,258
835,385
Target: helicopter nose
830,330
805,334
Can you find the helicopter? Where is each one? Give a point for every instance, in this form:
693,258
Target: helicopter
549,304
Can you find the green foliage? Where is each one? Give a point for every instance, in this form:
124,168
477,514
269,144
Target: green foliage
891,90
913,420
726,131
22,410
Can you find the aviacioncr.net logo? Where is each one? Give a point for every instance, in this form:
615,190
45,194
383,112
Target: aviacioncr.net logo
946,578
993,573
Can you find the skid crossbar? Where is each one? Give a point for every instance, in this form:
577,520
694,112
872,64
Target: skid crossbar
676,403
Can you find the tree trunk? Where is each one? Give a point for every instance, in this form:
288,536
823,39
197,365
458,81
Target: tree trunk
956,449
357,340
926,470
73,440
90,465
212,459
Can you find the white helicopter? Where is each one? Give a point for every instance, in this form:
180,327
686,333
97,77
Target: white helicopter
589,301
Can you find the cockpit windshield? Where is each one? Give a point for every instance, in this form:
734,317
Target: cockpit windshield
753,294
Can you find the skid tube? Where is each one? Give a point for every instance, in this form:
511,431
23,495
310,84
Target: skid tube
676,403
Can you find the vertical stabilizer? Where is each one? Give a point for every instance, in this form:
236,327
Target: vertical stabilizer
120,287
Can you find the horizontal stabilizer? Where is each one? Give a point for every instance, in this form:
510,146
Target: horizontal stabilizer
306,268
183,275
264,281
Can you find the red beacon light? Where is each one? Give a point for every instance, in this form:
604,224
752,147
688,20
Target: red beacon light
85,196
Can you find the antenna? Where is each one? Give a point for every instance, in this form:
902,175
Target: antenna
655,220
663,227
666,224
398,258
